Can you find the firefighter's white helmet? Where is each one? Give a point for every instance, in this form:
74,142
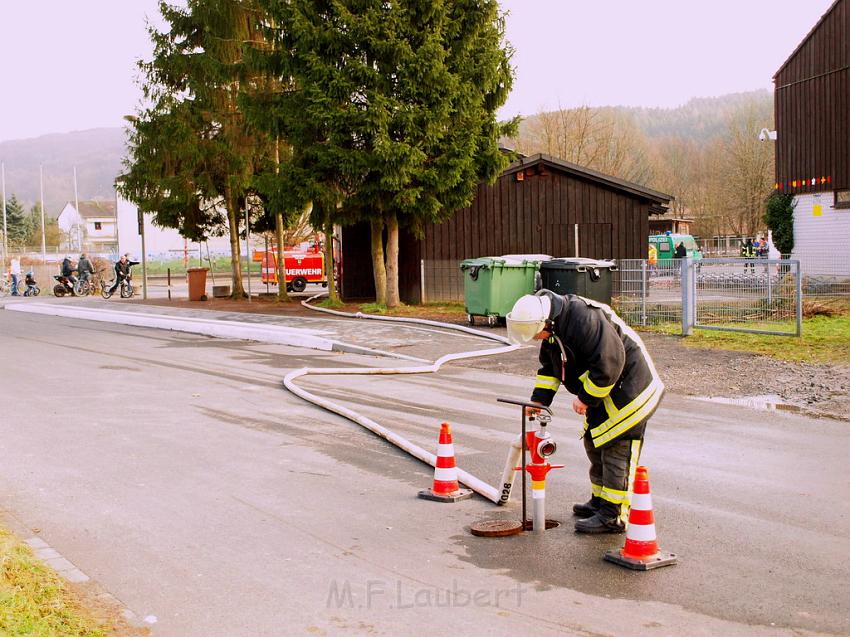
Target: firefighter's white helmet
528,317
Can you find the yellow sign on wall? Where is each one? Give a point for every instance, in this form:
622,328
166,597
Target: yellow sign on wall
817,210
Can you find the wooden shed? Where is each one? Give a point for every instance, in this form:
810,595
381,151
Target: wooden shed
812,109
538,205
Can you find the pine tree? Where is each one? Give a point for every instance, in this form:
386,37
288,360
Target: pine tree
192,156
390,110
16,223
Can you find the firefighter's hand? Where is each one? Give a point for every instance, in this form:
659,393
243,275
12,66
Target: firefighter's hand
579,407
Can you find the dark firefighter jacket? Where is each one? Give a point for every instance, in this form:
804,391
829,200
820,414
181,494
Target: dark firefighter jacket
600,359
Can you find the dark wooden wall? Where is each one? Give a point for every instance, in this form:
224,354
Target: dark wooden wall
537,215
532,216
812,107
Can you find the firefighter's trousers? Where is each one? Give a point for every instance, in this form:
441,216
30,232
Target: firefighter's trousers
612,473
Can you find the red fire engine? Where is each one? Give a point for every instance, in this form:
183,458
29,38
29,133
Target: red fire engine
302,267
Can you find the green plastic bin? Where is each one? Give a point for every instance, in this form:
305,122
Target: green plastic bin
491,285
590,278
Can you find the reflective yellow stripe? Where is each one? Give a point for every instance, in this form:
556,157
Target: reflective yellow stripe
630,422
547,382
592,388
620,414
614,496
633,463
595,489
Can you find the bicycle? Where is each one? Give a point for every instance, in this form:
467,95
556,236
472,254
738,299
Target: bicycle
126,289
6,287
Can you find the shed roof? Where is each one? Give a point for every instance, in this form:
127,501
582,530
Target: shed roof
642,192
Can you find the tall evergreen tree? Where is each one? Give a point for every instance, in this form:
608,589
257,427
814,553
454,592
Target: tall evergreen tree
391,110
192,156
16,222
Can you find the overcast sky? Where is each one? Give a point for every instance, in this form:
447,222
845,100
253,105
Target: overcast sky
69,65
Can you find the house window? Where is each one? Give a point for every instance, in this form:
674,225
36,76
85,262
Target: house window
97,225
842,198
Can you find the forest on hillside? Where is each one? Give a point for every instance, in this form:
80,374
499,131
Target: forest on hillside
706,154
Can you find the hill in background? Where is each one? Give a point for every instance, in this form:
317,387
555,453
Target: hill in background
701,119
97,154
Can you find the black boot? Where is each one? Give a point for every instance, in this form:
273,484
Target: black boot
586,509
605,520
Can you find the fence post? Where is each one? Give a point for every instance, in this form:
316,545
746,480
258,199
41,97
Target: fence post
769,283
643,292
799,286
422,281
687,296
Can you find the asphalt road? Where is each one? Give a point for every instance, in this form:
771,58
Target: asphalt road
175,471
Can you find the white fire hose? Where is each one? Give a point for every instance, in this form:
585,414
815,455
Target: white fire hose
477,485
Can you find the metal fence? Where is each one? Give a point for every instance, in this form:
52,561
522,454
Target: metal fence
442,281
743,295
825,275
732,293
645,295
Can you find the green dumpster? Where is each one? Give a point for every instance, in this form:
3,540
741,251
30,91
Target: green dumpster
491,285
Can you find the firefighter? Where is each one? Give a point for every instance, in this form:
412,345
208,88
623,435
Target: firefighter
587,348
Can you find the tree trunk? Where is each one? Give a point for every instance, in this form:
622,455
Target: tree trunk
235,254
392,260
378,267
329,261
282,296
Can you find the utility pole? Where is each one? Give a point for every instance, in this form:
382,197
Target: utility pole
5,229
79,215
43,239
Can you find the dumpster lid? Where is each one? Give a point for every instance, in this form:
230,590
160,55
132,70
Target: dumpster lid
577,263
526,257
510,261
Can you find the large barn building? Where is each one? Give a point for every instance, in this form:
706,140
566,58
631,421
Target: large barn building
538,205
812,108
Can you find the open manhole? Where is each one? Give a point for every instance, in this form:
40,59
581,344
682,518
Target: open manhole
504,528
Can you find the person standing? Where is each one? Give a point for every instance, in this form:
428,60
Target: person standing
85,268
15,272
589,350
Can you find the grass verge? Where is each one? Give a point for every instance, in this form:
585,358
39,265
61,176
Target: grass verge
826,339
35,601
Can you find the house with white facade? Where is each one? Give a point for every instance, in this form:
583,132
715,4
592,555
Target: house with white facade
93,227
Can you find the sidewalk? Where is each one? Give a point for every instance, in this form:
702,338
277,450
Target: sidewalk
317,331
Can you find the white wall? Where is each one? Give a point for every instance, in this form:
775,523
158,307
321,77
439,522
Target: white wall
821,235
160,243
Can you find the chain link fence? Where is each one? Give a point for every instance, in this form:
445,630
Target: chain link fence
442,281
825,275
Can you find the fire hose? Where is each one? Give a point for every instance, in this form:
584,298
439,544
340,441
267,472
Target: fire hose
474,483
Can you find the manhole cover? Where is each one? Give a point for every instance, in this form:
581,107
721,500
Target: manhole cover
496,528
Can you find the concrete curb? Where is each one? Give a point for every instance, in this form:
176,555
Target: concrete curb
275,334
262,333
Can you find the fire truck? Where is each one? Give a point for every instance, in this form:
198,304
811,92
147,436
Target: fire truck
303,265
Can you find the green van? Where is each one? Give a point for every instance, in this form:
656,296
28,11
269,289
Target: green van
666,244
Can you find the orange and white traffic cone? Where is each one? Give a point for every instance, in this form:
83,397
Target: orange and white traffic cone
641,551
446,487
